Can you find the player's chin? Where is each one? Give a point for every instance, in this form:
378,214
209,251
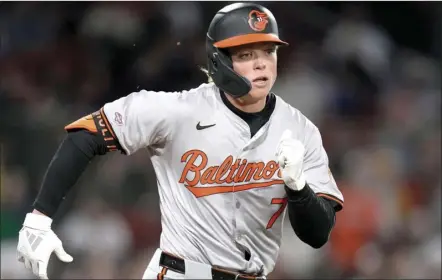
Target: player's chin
259,92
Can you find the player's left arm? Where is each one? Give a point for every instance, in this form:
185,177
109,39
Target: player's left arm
313,196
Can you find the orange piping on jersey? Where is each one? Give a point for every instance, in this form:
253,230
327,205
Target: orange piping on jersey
160,275
205,191
85,123
329,196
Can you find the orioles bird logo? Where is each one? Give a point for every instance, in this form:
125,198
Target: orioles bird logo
258,20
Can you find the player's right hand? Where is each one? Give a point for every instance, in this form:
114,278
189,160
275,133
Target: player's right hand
36,242
290,155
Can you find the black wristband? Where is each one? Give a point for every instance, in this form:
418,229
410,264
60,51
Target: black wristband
299,196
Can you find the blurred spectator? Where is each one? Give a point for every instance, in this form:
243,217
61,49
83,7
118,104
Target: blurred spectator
356,37
96,228
307,87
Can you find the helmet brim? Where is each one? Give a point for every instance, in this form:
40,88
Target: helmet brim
245,39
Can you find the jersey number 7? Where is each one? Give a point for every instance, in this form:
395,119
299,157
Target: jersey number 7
283,202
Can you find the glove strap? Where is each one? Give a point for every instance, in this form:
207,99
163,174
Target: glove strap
37,221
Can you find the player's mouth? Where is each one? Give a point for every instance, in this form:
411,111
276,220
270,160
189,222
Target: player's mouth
260,81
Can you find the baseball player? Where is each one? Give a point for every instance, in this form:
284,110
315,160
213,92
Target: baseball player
231,158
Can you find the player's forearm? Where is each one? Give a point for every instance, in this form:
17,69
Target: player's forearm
311,217
67,165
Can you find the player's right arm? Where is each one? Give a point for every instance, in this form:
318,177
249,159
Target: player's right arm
127,124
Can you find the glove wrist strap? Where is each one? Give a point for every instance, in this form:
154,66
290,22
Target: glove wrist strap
37,221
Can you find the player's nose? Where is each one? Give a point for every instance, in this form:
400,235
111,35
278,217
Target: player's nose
259,64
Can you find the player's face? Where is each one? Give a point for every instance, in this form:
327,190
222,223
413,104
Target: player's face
256,62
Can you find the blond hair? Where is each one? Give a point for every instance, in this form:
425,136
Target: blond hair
209,78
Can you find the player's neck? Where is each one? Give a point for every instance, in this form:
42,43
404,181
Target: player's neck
245,105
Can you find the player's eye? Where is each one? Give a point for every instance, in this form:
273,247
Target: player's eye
245,55
271,50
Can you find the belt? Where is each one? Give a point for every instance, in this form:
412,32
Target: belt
178,265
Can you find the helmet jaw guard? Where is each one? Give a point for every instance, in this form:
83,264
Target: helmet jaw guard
220,68
235,25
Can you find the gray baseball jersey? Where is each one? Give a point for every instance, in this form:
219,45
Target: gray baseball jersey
220,189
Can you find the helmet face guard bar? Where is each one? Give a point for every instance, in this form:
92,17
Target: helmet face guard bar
220,68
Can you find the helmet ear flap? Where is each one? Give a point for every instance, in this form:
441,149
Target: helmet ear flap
220,68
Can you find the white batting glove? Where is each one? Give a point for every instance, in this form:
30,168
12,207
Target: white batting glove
36,242
290,155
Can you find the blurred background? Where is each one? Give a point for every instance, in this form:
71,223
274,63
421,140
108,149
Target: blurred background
367,74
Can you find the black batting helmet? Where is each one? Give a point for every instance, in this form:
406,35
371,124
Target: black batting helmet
235,25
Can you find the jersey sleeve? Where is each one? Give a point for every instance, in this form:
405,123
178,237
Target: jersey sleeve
316,168
97,124
142,118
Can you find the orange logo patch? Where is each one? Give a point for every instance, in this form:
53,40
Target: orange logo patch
240,171
258,20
